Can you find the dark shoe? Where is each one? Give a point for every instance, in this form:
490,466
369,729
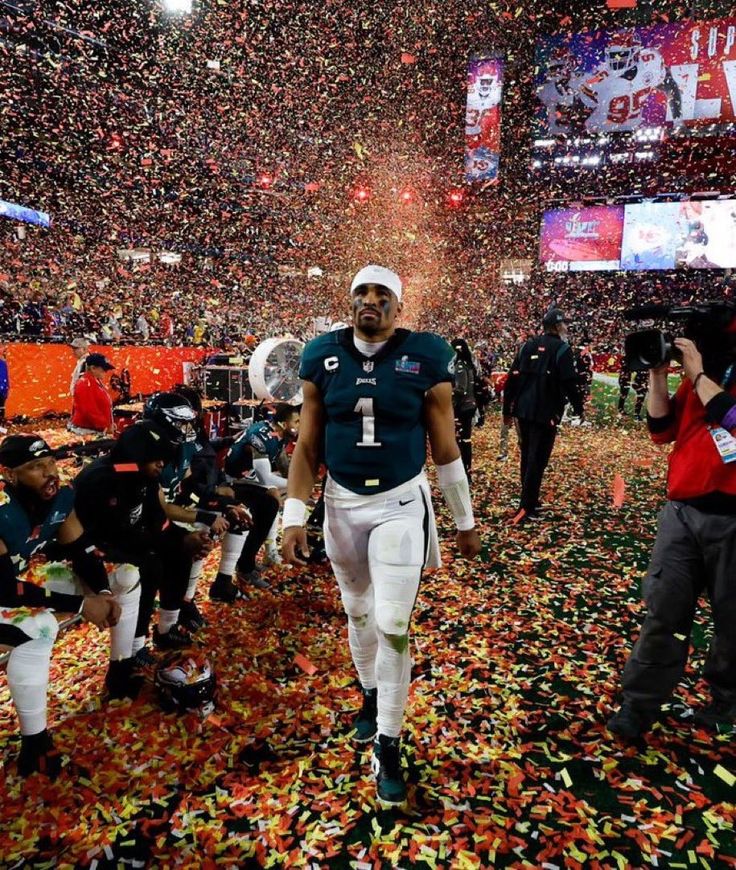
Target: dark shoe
386,765
123,680
718,715
364,724
523,517
252,578
190,618
144,659
630,723
37,755
225,591
175,638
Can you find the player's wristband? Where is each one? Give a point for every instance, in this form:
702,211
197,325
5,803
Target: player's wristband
453,482
295,513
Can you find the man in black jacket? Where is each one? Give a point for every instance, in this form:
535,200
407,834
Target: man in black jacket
120,500
542,379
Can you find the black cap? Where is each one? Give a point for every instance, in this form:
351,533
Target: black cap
16,450
142,442
99,359
553,318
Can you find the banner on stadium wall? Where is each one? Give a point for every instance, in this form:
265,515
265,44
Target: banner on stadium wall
617,81
40,373
483,119
582,239
21,213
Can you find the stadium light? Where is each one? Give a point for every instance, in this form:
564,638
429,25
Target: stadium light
178,7
361,194
265,180
455,198
406,196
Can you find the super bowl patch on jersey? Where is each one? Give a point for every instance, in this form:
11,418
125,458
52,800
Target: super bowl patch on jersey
409,366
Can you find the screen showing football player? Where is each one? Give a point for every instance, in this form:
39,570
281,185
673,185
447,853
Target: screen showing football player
631,89
482,127
48,563
372,395
559,93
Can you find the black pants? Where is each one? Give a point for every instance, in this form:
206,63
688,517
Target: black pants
164,571
263,508
536,441
12,636
3,400
694,552
640,386
463,433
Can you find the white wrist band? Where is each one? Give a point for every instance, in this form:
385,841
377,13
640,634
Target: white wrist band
295,512
453,483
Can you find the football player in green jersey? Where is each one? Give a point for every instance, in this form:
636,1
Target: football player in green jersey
372,395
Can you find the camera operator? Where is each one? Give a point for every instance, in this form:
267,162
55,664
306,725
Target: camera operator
695,547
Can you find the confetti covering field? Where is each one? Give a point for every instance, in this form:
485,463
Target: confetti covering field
516,664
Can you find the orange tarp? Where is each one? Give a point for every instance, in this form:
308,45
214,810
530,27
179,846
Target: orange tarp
40,373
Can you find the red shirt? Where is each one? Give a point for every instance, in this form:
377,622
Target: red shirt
92,407
695,465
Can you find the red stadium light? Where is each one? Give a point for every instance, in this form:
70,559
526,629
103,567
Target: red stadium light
361,194
406,196
265,179
455,198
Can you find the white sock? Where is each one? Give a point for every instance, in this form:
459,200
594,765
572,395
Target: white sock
194,576
363,640
167,619
273,533
138,643
393,674
232,547
28,681
126,590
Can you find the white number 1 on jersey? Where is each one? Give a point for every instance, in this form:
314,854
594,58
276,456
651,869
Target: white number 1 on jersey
365,408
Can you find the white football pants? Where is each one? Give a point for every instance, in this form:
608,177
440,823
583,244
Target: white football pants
377,545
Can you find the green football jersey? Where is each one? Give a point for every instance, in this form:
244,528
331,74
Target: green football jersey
375,432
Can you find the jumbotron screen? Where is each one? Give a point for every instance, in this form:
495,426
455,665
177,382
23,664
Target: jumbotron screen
679,235
640,236
582,239
664,75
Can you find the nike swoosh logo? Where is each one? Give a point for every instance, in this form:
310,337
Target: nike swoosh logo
402,503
